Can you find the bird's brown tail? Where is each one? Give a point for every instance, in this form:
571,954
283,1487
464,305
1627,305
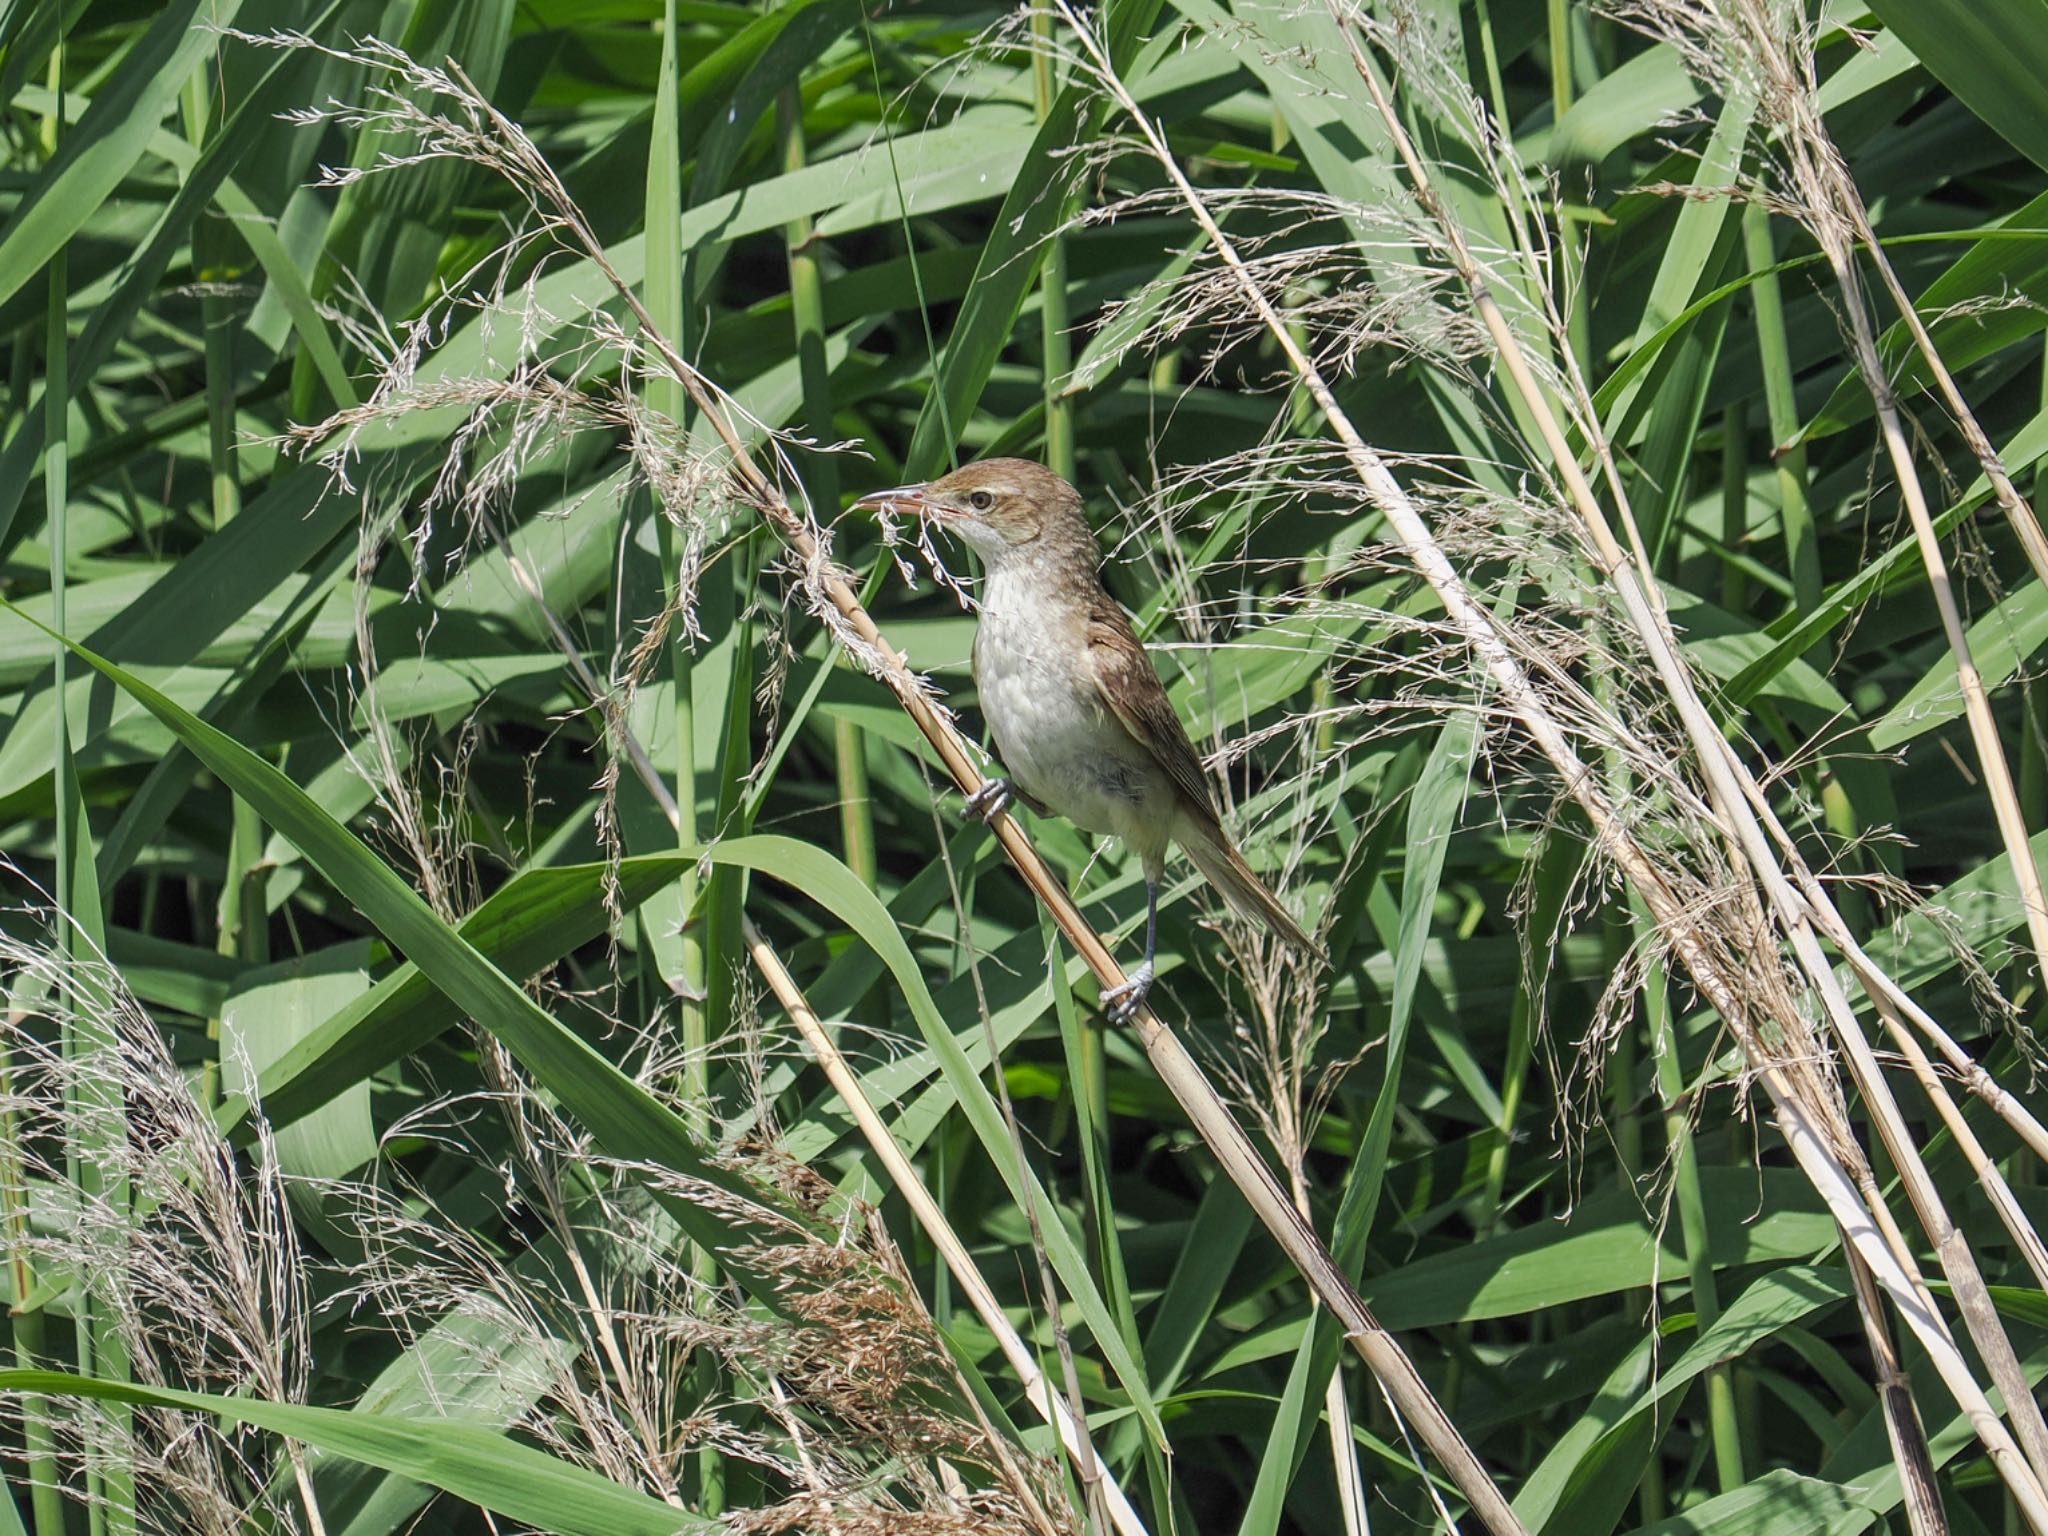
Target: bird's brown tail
1209,848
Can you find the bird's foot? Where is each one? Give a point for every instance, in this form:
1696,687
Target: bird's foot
991,800
1122,1003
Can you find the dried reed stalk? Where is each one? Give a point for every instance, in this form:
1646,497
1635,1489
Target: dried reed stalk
1038,1389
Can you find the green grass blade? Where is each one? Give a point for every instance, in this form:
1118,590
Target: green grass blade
111,137
534,919
624,1117
481,1468
1992,53
266,1013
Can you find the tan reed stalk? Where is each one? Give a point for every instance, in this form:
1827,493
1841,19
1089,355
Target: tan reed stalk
1898,1010
1917,1487
2017,509
1050,1405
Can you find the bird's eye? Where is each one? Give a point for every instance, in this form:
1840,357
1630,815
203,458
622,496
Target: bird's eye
981,501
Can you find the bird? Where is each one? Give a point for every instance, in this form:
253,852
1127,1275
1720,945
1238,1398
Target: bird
1079,717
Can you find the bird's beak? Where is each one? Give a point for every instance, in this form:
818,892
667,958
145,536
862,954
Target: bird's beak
914,499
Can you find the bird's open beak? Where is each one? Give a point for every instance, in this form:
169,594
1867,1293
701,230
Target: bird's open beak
904,498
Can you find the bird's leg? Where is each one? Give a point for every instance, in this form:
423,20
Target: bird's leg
991,800
1123,1002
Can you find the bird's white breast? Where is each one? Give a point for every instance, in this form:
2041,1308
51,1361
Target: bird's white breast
1057,738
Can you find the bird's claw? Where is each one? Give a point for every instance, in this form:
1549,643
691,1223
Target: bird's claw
1122,1002
991,800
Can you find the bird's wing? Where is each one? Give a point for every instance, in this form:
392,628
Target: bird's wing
1132,690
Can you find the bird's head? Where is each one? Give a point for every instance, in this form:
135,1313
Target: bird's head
999,506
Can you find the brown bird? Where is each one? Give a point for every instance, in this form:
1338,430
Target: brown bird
1079,717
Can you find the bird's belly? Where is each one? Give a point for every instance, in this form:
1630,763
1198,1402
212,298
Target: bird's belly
1064,749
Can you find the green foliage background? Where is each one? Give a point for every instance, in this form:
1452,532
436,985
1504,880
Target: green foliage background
868,225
